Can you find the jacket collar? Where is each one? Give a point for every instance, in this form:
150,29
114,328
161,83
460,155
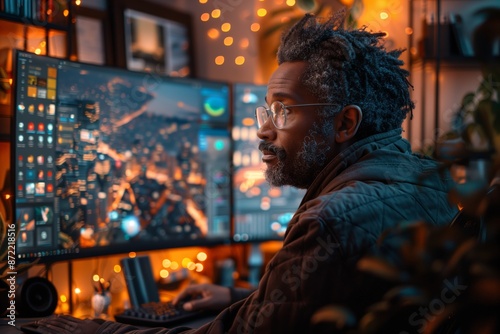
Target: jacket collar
391,140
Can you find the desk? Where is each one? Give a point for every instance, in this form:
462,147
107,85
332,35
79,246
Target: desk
5,328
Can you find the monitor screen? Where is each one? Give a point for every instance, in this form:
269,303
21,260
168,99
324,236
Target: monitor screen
110,161
260,212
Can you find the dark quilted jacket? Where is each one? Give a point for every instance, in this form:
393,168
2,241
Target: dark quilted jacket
374,185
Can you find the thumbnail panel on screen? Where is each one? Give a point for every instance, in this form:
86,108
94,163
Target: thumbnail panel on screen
108,160
260,212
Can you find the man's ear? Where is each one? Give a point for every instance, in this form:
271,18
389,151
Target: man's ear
347,123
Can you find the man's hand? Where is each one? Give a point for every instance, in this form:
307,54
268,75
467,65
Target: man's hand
204,297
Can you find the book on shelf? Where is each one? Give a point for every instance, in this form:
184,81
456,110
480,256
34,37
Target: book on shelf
53,11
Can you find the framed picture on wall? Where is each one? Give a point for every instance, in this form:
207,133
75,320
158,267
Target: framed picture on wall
153,42
92,41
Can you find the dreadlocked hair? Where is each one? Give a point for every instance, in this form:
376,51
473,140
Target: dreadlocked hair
350,67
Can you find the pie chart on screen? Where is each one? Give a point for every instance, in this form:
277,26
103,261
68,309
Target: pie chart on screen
215,106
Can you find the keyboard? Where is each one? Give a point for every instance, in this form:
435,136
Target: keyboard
156,314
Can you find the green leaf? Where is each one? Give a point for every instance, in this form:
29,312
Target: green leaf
485,88
484,118
467,100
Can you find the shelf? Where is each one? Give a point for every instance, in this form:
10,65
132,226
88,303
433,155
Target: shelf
31,22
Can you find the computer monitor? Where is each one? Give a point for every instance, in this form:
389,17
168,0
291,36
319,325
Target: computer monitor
260,212
109,161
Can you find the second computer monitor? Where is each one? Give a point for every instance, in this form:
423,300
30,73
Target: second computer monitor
260,212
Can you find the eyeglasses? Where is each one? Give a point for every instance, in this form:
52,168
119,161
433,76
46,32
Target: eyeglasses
278,112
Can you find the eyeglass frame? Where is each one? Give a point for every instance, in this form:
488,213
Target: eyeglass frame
269,111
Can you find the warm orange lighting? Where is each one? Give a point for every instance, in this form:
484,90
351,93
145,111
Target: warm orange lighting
78,2
244,43
63,298
290,3
409,31
186,261
7,196
164,273
191,266
240,60
384,15
166,263
228,41
274,192
275,226
132,255
216,13
202,256
219,60
261,12
38,51
66,13
225,27
248,121
117,268
265,205
78,291
255,27
203,1
95,278
174,265
199,267
205,17
213,33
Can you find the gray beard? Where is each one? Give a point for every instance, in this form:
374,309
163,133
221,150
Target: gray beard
301,170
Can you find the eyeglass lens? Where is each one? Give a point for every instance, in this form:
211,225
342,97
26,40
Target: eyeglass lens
276,111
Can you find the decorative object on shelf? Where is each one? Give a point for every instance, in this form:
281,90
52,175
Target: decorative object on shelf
100,303
486,36
154,38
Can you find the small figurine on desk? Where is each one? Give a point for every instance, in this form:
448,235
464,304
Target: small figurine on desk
101,299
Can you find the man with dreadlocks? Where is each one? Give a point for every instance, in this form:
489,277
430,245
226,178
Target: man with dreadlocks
332,125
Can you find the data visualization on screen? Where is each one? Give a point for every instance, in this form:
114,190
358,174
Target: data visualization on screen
108,160
260,212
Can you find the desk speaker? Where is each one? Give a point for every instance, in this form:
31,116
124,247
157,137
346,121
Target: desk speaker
36,297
